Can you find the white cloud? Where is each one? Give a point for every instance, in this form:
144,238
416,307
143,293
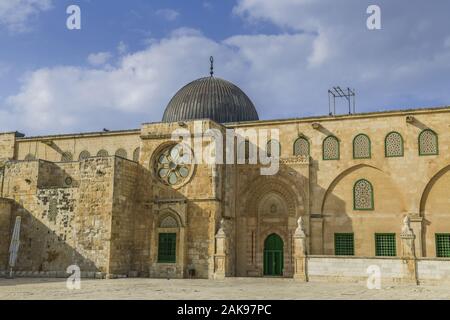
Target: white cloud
15,14
168,14
67,98
99,59
286,74
122,48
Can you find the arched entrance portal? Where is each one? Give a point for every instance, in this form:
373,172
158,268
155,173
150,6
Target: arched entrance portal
273,256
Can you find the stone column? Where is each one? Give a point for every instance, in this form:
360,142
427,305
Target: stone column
416,226
300,254
220,257
408,251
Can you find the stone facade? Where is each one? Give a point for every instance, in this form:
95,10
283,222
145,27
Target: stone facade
95,199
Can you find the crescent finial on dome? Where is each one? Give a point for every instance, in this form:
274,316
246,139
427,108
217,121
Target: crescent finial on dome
211,72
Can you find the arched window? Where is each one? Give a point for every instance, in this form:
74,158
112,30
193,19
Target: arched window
363,195
66,157
361,147
102,153
247,153
121,153
276,144
136,154
167,240
84,155
29,157
428,143
168,222
394,145
301,147
331,148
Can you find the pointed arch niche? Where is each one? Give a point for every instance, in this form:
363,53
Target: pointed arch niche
167,250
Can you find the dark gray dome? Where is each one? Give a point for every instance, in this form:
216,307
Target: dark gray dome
210,98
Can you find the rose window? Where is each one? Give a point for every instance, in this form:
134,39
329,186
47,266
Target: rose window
173,165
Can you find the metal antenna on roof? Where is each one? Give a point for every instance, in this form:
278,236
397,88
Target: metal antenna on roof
348,94
211,59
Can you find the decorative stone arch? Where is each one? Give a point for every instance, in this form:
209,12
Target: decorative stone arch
265,185
336,180
168,221
340,214
426,191
169,213
282,190
272,204
429,223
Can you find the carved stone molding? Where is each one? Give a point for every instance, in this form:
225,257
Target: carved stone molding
295,160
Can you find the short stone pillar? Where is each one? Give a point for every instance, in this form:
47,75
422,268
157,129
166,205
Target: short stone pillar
408,251
220,256
300,255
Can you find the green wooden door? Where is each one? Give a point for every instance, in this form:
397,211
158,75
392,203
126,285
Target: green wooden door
273,256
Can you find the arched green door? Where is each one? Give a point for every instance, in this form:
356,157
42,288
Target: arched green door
273,256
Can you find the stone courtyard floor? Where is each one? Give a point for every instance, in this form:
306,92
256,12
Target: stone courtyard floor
229,289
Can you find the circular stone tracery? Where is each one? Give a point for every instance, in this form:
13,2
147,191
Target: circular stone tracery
173,165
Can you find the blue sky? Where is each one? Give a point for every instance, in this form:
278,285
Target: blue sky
130,57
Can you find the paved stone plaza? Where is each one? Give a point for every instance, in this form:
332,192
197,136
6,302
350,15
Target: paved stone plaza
229,289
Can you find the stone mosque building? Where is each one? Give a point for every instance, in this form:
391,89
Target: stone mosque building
351,191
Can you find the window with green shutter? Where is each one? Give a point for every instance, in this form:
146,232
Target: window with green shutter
385,245
344,244
167,247
443,245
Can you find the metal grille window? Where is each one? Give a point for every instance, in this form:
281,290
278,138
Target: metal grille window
167,247
84,155
361,147
363,195
443,245
331,148
394,145
385,245
122,153
301,147
102,153
277,148
428,143
344,244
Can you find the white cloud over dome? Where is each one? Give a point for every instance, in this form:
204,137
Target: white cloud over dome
320,44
